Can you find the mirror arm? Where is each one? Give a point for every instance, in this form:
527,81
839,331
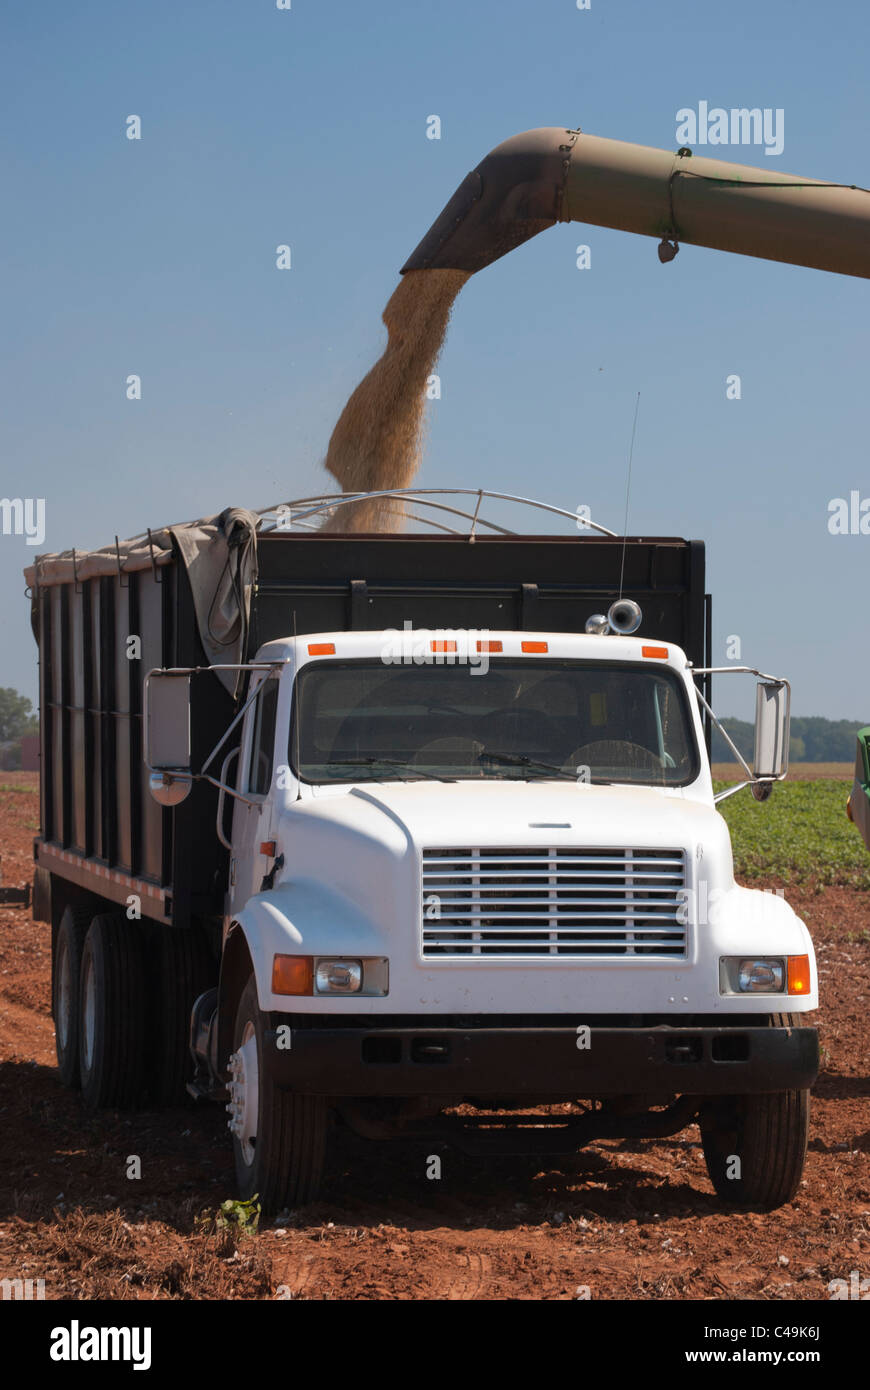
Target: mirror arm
195,670
747,670
727,737
224,786
729,791
752,779
251,666
170,774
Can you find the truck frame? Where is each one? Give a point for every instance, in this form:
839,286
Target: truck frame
274,882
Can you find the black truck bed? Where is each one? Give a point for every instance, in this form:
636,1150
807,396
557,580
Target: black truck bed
100,828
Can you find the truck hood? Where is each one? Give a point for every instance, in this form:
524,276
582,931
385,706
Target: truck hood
355,875
381,829
540,813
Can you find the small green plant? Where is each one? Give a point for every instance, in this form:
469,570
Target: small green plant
232,1217
243,1217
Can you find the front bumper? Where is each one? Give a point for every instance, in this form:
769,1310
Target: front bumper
519,1061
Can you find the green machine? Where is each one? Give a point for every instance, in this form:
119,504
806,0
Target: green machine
858,805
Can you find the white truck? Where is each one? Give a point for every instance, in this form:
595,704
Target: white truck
416,834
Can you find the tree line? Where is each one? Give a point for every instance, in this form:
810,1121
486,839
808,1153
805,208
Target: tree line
16,720
813,740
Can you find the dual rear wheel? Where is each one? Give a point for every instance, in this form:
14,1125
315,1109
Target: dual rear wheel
121,1004
65,982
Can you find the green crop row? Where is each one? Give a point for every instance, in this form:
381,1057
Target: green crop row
800,835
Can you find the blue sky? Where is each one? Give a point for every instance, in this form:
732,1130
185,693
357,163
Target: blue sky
308,127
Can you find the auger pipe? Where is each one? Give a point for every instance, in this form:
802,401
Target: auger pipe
551,175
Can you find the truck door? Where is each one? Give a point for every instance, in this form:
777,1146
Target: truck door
252,819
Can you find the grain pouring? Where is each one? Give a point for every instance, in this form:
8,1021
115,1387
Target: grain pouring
376,443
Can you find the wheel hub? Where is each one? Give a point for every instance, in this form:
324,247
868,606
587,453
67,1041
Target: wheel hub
244,1093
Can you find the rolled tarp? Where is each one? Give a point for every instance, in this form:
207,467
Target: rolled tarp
219,555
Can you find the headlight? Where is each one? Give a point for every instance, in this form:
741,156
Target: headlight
760,977
338,977
764,975
366,975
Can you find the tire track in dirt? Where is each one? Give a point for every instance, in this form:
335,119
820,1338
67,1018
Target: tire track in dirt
475,1272
299,1277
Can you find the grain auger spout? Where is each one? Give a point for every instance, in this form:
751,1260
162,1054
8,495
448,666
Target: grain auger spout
551,175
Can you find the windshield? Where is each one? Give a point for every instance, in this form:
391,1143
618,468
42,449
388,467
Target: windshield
569,720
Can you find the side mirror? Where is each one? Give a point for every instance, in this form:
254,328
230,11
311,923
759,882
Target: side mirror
772,724
167,736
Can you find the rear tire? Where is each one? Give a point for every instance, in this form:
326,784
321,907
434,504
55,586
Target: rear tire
767,1133
279,1142
112,1009
65,1004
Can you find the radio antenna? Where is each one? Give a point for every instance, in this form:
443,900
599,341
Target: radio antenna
628,494
297,710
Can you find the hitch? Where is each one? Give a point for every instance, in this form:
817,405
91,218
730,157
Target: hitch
16,897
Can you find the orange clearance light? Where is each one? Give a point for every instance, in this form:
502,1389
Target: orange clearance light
292,975
490,647
535,646
660,653
442,645
321,649
798,974
268,847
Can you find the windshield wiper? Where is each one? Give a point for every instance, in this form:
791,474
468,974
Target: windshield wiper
388,762
520,760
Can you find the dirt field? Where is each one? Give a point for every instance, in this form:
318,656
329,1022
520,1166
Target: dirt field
626,1220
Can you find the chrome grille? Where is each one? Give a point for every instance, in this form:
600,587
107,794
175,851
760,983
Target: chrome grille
553,902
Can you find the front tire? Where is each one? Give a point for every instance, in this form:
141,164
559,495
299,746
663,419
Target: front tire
279,1137
767,1134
